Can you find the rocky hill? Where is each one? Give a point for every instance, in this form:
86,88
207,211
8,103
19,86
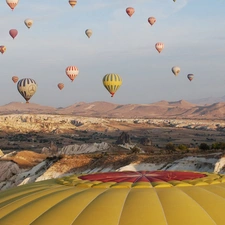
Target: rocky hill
18,168
162,109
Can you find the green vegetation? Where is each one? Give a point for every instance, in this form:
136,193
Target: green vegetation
204,146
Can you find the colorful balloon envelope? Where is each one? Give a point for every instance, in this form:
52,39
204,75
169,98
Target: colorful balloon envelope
13,33
88,32
72,2
72,72
151,20
112,82
15,79
28,23
130,11
190,77
118,198
159,46
12,3
60,86
2,49
176,70
27,88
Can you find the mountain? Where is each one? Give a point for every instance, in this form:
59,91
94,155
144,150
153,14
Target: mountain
161,109
208,101
20,108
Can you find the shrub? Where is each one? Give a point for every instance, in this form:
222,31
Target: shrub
218,145
204,146
170,146
182,147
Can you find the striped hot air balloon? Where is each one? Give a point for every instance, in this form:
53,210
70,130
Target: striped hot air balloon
27,88
72,72
12,3
118,198
159,46
112,82
72,2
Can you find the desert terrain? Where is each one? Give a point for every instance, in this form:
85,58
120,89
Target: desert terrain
39,142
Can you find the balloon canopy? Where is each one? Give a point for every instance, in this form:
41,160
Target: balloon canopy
175,70
72,72
15,79
13,33
130,11
130,197
112,82
72,2
2,49
28,23
27,88
12,3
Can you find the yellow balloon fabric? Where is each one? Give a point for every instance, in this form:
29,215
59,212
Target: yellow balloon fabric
112,82
74,200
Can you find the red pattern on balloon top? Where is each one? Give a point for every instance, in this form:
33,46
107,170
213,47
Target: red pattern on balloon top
142,176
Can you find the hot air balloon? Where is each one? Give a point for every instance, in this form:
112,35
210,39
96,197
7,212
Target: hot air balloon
130,11
190,77
174,0
112,82
27,88
124,198
151,20
88,32
72,72
60,86
15,79
176,70
13,33
2,49
159,46
72,2
12,3
28,23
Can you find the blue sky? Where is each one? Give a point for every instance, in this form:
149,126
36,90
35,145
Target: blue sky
193,32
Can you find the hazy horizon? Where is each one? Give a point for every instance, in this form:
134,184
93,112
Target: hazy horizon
190,30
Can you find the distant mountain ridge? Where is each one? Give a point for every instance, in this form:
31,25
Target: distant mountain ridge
208,101
162,109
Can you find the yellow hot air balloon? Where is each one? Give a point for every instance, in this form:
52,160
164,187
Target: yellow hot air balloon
27,88
72,2
28,23
112,82
124,198
88,32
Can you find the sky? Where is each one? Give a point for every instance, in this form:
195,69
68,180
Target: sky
193,33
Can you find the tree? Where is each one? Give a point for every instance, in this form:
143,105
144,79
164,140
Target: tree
204,146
